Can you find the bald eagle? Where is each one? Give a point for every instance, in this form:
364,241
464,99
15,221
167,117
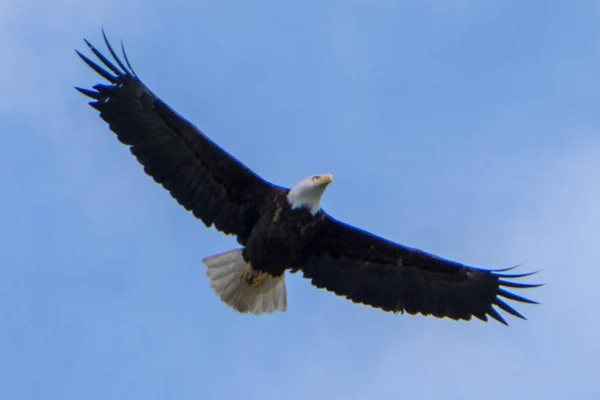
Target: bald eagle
280,228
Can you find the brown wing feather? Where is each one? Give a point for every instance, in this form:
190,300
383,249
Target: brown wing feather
371,270
199,174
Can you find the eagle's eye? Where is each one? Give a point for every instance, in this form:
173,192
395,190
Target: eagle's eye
314,178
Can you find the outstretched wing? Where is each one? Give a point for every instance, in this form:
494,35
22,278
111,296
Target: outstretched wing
371,270
199,174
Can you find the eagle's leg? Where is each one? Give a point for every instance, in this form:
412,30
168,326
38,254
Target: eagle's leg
253,277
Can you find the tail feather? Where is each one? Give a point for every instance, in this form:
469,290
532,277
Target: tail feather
225,274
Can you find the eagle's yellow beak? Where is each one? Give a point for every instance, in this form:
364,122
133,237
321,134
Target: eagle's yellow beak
323,180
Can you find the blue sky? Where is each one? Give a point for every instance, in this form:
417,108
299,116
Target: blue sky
469,129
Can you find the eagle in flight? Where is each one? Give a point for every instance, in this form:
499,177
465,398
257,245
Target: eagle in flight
280,229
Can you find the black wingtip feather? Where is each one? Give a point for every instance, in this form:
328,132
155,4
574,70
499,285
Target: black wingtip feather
496,315
516,276
518,285
508,309
514,297
101,71
114,54
104,60
511,296
505,269
123,69
86,92
127,60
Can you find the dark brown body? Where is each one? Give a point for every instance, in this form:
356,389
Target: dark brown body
280,236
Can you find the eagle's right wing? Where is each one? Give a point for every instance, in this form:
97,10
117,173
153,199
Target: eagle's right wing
199,174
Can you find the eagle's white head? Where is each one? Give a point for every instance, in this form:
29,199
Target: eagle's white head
308,192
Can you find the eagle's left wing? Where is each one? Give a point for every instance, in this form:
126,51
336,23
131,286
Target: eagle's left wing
373,271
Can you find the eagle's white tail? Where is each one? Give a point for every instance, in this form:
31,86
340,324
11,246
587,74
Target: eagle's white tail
267,295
